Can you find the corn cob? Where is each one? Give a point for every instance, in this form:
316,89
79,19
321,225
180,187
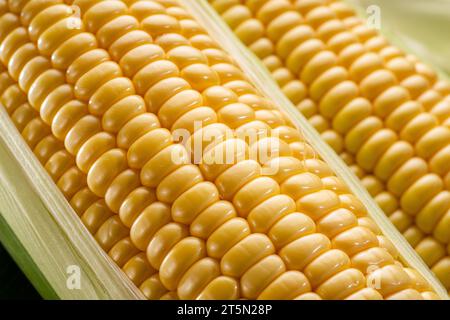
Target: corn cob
386,113
98,105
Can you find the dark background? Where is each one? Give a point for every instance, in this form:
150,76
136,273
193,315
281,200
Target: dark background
13,283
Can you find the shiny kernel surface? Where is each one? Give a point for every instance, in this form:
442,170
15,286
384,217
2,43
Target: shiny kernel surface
113,93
